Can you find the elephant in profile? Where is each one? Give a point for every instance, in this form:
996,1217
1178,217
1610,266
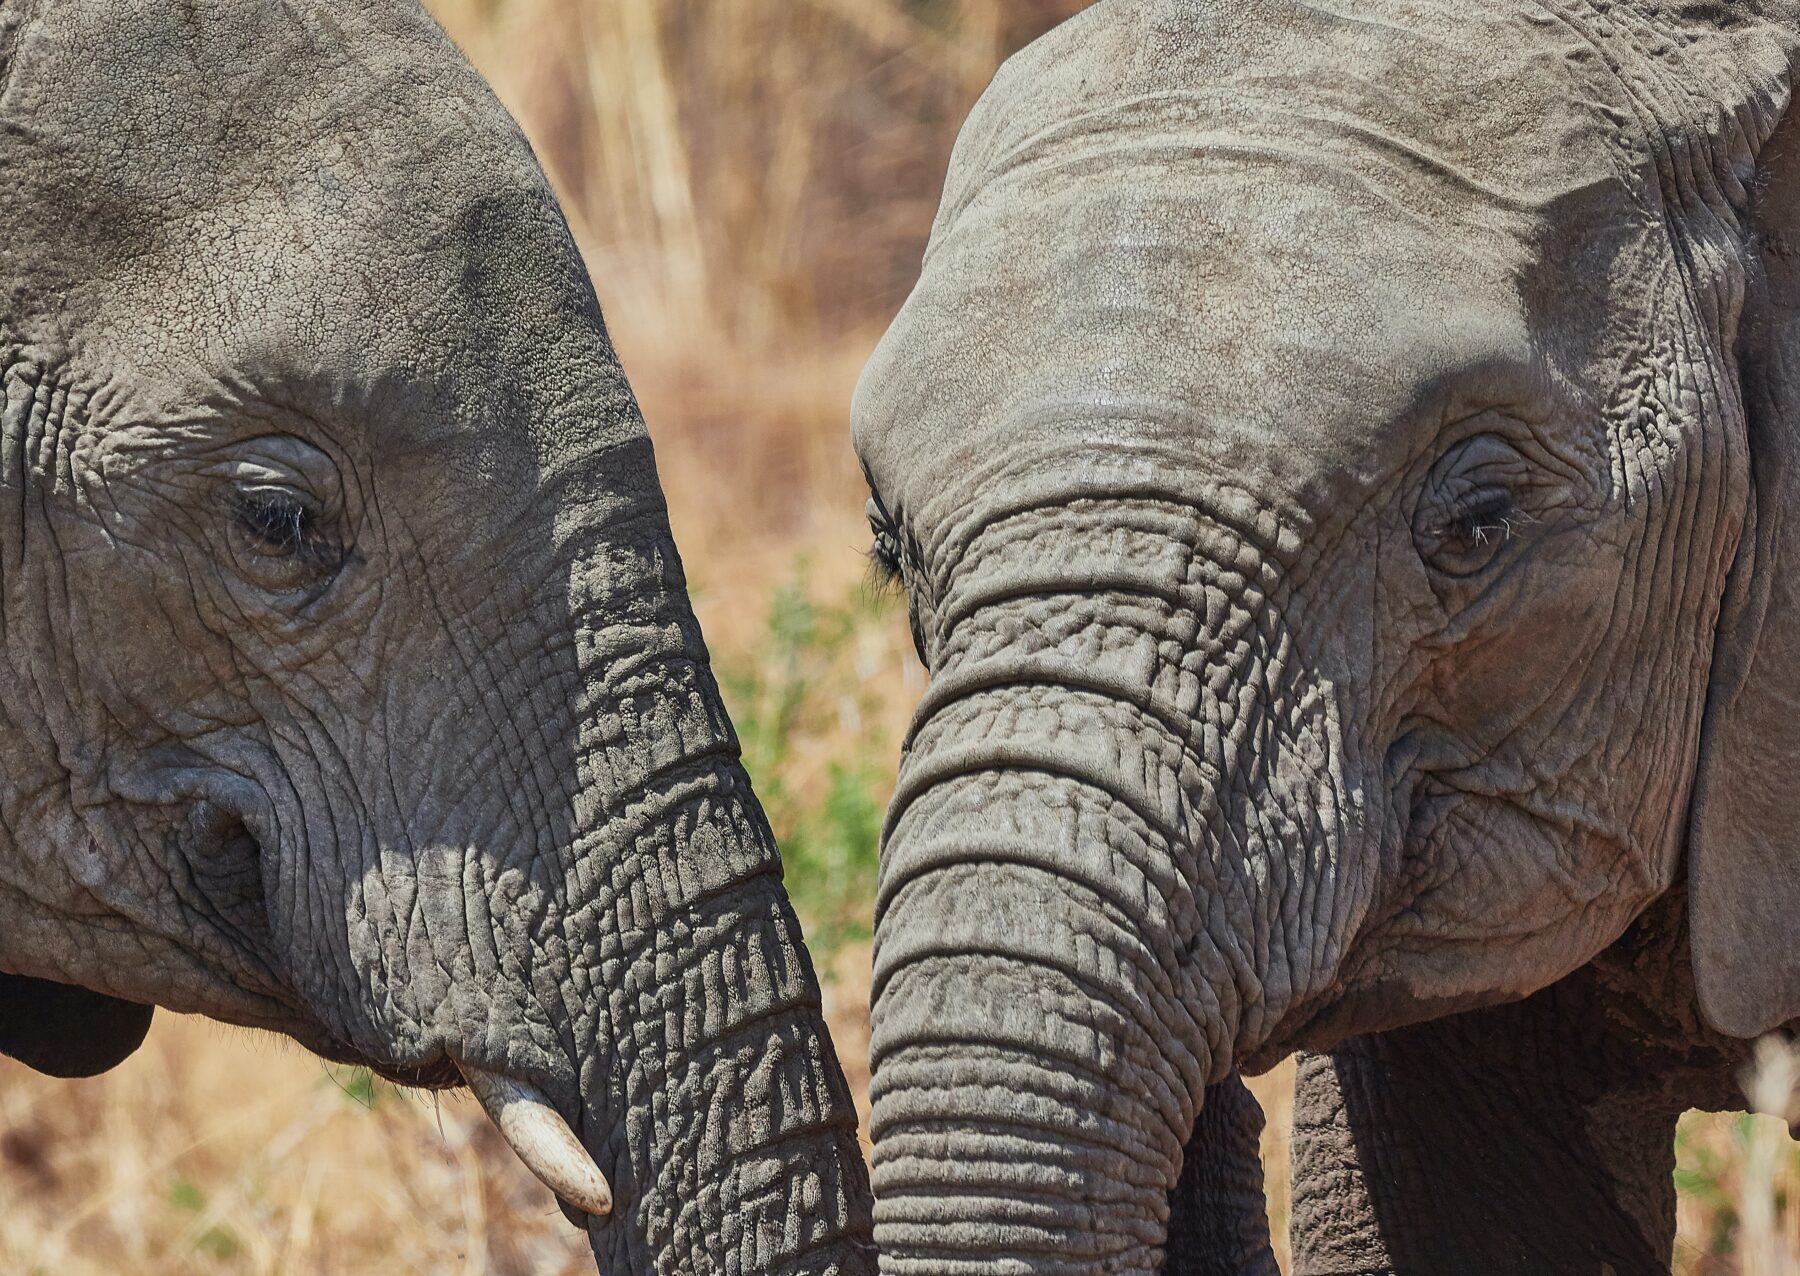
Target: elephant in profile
1343,461
349,683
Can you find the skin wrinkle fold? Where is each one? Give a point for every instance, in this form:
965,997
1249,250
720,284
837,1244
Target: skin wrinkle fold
1141,156
1163,1097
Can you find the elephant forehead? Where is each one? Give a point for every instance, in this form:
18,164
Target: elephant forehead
1281,332
310,203
124,120
1496,91
1263,251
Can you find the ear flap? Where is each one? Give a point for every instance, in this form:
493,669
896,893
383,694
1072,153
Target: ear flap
1744,826
67,1031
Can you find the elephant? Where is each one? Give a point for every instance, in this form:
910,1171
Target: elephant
1338,458
349,681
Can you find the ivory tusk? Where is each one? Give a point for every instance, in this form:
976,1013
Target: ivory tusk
535,1130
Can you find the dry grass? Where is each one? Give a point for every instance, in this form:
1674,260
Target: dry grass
215,1151
1739,1178
752,181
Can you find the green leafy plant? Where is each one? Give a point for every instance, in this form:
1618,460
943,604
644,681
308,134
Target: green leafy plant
806,703
359,1085
218,1242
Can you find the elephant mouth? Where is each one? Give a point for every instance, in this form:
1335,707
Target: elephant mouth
438,1074
527,1120
225,856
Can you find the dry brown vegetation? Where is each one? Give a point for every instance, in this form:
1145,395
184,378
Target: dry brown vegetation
752,181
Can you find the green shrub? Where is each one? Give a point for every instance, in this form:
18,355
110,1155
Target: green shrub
809,720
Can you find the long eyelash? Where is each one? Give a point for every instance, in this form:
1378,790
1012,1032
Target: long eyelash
884,553
1488,519
286,526
282,523
884,564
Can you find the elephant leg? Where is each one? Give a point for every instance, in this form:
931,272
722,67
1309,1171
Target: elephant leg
1218,1221
1500,1141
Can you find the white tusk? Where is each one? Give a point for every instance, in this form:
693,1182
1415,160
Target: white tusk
535,1130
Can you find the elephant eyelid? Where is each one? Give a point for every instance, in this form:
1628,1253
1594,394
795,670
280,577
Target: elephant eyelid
884,554
285,524
1484,516
884,563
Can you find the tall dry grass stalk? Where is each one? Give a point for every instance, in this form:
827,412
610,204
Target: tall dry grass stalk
761,169
1769,1211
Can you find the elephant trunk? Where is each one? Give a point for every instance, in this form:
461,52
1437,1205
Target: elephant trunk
1082,907
1036,1061
601,940
709,1092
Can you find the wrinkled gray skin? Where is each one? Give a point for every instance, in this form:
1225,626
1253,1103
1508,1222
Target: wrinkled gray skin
1341,458
349,684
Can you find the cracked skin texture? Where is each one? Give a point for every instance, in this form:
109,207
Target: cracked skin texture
348,682
1341,461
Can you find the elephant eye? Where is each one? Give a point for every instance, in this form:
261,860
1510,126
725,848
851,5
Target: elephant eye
884,552
1468,532
279,537
1469,511
1484,517
887,564
279,521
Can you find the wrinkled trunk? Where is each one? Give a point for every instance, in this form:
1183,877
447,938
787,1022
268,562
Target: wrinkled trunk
614,934
710,1095
1089,874
1036,1064
709,1090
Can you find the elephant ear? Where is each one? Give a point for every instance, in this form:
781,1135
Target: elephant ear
66,1031
1744,829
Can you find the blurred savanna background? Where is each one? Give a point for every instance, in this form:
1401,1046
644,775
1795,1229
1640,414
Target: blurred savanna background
752,182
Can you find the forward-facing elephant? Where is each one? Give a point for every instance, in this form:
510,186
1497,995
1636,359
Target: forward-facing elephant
349,684
1344,462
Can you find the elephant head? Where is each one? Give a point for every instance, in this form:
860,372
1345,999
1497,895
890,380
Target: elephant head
1343,464
349,684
